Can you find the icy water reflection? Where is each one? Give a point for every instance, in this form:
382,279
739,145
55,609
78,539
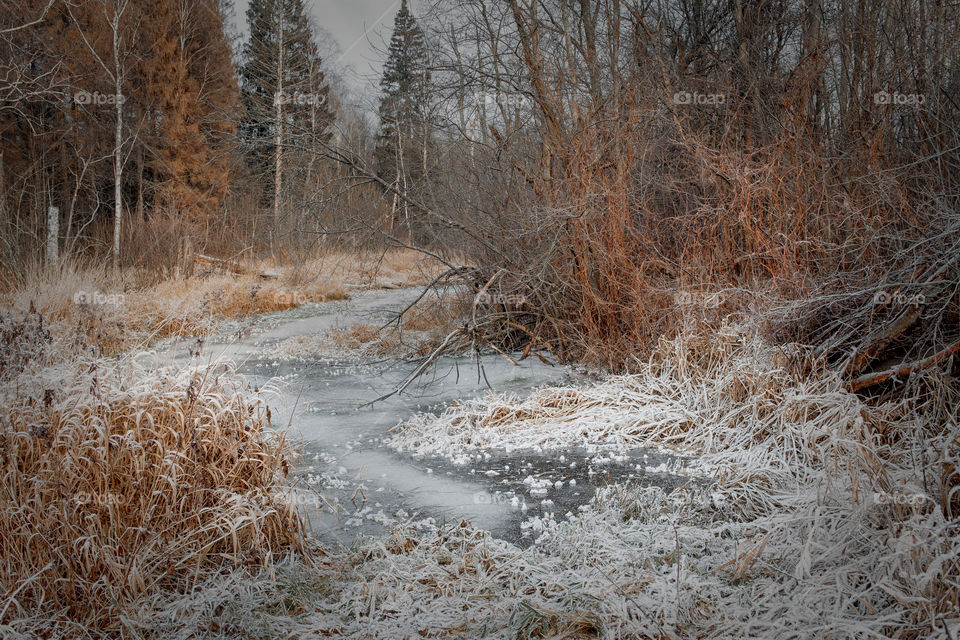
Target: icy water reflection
350,482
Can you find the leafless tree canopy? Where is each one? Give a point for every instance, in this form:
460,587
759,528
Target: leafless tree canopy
616,157
593,165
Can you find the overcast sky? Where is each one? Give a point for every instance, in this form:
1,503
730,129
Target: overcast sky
360,29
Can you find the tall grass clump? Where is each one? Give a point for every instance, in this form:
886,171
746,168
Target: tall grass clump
120,480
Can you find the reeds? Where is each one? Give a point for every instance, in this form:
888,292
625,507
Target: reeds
119,481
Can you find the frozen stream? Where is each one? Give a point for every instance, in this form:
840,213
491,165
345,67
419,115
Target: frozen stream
349,481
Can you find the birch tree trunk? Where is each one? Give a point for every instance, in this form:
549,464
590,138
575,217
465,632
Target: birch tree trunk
116,75
118,142
278,115
117,165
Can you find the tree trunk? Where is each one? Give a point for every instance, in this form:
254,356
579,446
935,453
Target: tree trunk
278,159
53,234
6,228
141,214
118,142
402,175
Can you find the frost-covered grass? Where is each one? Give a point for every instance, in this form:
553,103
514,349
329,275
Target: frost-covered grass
129,310
120,480
638,564
759,423
827,517
122,313
844,510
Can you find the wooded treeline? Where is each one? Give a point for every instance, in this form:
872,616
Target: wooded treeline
152,113
604,166
87,83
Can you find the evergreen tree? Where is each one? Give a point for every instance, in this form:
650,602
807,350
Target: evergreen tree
404,138
190,91
284,92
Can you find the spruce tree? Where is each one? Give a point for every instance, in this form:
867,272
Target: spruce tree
284,92
403,141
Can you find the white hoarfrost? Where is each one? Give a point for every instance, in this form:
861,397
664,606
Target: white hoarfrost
823,516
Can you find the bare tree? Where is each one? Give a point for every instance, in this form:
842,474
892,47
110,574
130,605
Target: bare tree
116,68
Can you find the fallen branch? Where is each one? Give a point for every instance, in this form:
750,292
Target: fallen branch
902,371
881,339
423,367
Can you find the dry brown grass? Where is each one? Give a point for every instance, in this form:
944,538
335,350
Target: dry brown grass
356,334
393,268
117,317
119,481
367,338
423,327
190,306
119,314
435,314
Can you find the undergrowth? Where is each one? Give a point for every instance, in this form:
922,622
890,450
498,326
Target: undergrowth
120,479
818,514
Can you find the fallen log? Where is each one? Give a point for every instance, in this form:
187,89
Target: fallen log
217,263
875,344
881,339
902,371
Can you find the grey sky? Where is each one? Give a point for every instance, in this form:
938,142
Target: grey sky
360,28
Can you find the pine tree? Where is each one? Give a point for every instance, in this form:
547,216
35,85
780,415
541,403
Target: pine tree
403,141
284,92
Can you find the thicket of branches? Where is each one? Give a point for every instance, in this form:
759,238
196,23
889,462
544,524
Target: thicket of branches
617,168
